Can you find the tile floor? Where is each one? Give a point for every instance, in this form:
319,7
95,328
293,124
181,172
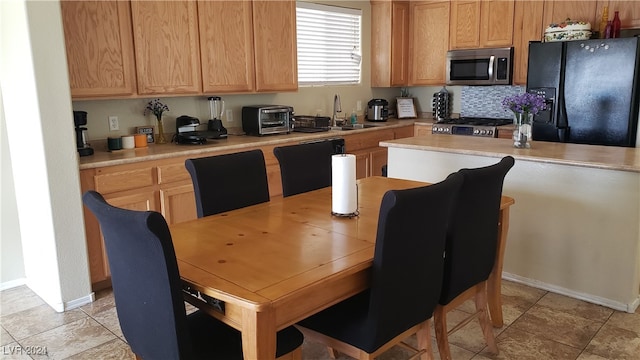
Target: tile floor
538,325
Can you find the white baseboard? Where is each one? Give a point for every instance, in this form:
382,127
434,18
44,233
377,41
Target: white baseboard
69,305
616,305
12,283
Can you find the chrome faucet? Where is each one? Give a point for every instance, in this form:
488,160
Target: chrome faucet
337,109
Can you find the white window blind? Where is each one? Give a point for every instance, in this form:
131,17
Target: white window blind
329,49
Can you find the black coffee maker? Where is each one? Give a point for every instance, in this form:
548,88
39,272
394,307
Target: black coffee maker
80,119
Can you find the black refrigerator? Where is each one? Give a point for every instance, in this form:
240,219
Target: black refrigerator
591,90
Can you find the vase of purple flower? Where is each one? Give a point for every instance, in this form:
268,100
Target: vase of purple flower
156,108
523,106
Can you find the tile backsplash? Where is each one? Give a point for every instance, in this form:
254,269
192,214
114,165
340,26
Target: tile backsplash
486,101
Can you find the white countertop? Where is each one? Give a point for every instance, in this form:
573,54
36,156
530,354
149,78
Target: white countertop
594,156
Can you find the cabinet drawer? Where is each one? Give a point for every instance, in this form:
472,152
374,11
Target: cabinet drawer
172,172
367,140
109,182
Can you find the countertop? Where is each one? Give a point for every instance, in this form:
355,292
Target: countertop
594,156
102,157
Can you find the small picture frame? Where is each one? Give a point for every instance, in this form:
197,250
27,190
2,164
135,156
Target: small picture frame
406,108
148,130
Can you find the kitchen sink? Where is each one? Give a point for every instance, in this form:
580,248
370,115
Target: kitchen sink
354,126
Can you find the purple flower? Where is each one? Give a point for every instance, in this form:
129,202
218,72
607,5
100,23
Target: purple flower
156,108
524,103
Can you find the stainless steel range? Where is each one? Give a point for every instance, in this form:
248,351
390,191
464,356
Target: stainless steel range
471,126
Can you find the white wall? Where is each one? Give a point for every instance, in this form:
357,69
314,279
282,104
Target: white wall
11,264
36,99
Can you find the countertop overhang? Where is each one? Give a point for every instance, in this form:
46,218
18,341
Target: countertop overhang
593,156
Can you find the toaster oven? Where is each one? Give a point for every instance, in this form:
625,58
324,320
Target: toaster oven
266,119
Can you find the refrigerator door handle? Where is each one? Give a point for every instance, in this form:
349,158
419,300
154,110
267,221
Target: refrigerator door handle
492,59
562,124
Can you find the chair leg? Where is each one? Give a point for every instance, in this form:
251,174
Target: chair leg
482,309
424,340
442,338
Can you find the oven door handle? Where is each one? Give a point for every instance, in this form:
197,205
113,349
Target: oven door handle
491,61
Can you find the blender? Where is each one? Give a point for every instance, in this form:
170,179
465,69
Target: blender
216,109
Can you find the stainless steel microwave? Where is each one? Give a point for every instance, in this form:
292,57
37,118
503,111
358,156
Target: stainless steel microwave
480,66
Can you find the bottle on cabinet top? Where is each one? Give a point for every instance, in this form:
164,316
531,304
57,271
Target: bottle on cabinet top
603,22
615,24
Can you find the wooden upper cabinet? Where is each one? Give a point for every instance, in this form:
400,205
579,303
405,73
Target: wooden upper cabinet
496,23
166,47
528,26
390,43
556,11
226,46
400,43
428,42
485,23
99,48
629,12
276,57
465,24
381,43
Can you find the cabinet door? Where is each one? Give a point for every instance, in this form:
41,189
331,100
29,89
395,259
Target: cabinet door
389,43
99,46
381,43
528,26
226,46
629,13
166,47
429,39
362,163
465,24
276,58
178,203
378,159
559,10
399,43
496,23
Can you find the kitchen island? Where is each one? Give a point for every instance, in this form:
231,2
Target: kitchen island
575,227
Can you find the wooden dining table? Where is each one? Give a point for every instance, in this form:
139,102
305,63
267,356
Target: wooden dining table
270,265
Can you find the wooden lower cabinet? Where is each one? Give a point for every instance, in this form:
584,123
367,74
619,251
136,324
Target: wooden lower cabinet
165,186
370,162
178,203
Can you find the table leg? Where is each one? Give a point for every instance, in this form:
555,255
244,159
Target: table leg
258,334
494,283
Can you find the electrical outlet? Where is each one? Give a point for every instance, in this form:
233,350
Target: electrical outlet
359,105
113,123
229,115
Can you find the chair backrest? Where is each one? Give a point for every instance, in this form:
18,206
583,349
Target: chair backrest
304,167
228,182
145,279
473,229
408,260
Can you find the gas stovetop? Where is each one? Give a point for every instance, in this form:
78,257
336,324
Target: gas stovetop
473,126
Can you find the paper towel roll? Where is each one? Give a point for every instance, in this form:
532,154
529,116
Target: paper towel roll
344,193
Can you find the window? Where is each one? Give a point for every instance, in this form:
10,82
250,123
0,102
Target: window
329,50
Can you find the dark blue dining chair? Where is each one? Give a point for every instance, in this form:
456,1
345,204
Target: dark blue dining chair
227,182
406,278
304,167
148,292
471,250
